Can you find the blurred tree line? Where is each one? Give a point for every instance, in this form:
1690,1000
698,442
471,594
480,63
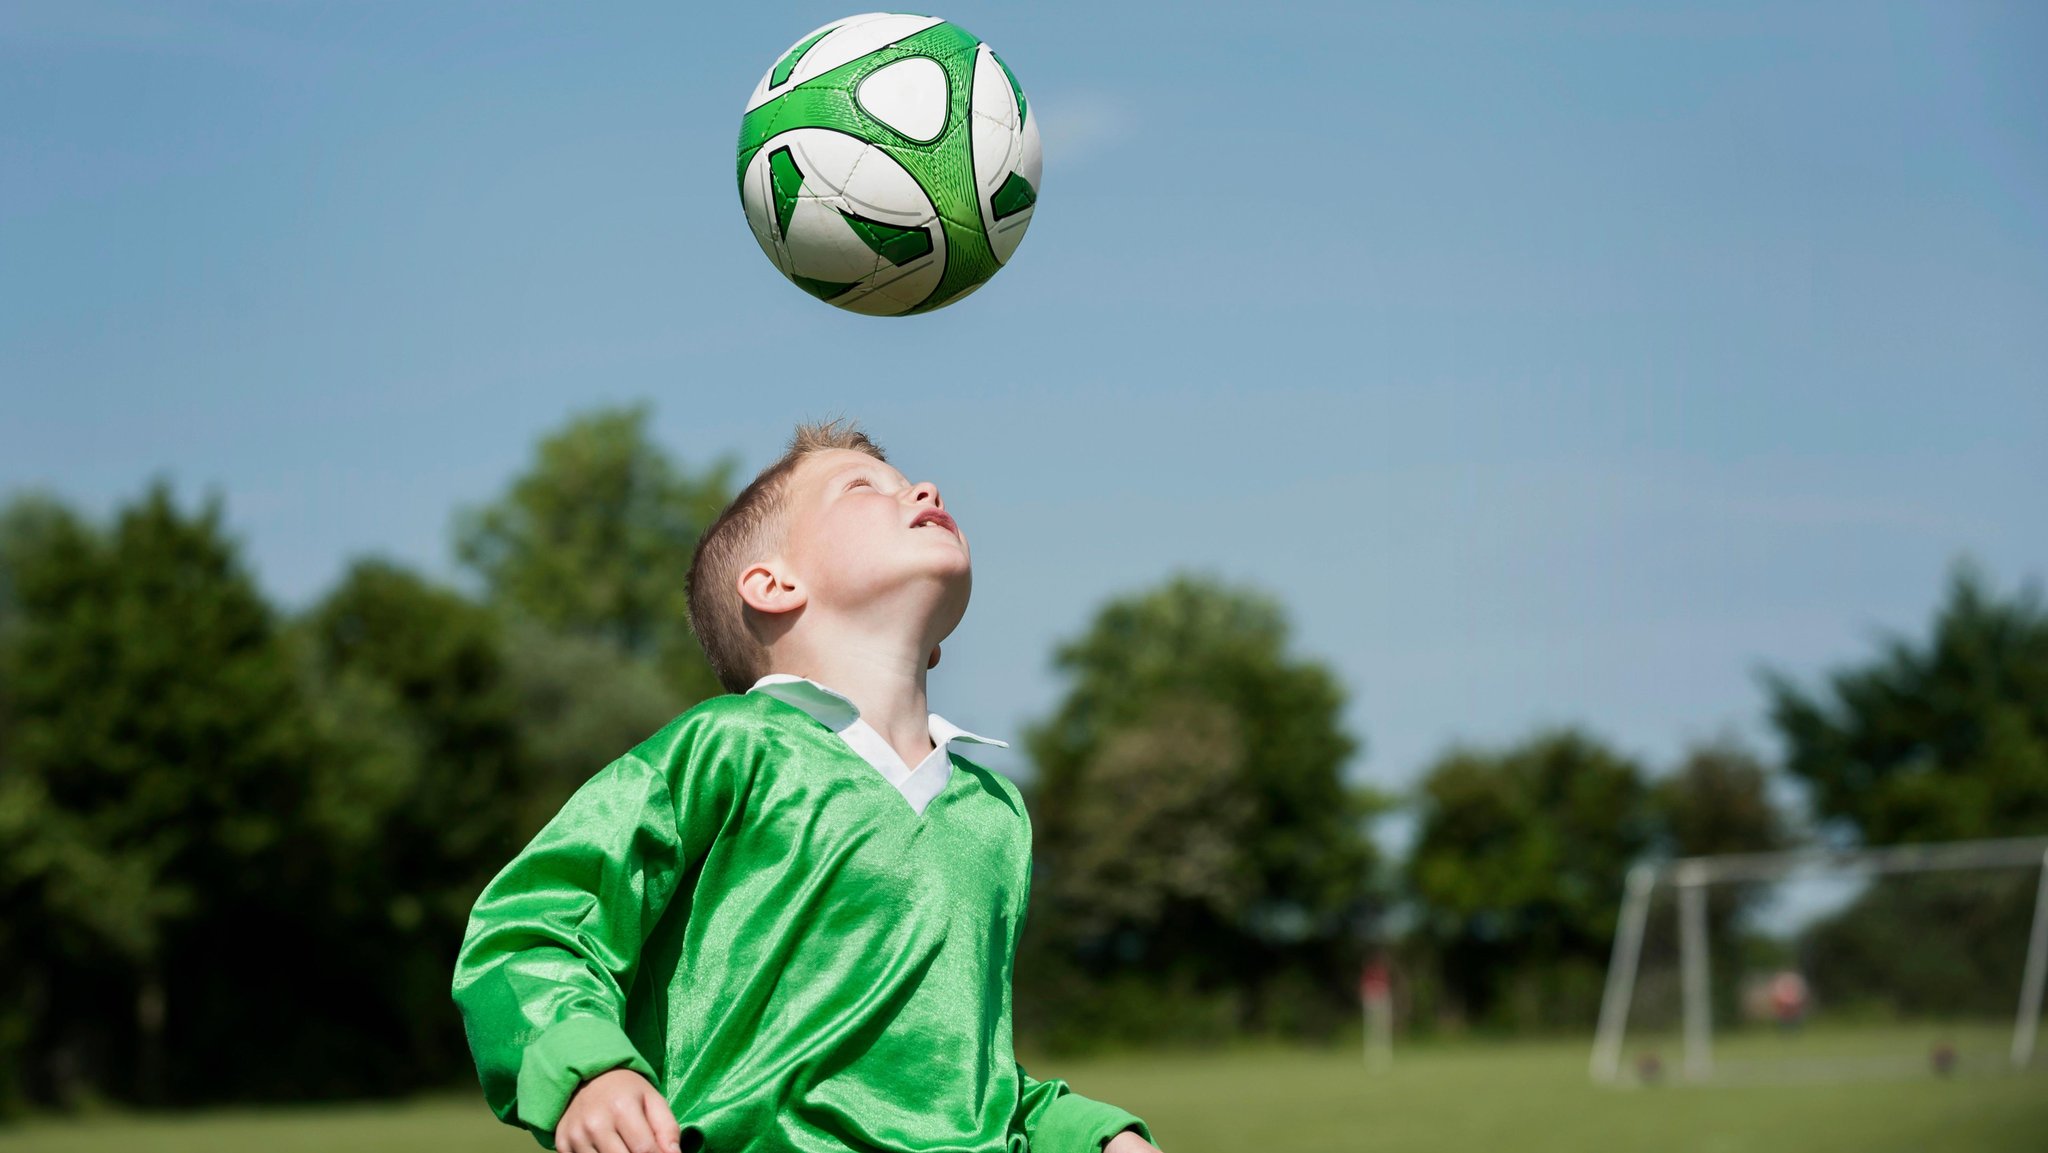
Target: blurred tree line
238,845
1941,741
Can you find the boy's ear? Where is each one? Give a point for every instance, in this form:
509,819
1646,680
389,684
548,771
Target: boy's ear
934,662
764,589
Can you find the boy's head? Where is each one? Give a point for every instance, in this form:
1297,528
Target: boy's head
830,537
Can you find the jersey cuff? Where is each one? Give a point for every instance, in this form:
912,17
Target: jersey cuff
1076,1124
566,1054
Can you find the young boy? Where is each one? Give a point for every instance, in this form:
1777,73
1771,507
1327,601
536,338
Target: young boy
786,921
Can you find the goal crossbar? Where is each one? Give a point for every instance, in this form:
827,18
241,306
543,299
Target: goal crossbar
1691,876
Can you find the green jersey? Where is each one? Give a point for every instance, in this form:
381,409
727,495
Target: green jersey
743,910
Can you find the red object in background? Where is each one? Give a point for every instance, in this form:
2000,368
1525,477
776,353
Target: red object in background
1375,981
1788,996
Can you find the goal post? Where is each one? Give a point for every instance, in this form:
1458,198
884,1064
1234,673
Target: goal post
1688,884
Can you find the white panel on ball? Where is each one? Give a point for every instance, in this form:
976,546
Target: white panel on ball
844,174
911,95
848,40
1004,141
992,97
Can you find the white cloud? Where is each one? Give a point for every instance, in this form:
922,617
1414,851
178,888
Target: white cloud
1079,126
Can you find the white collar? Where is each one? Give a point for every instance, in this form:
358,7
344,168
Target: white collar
836,711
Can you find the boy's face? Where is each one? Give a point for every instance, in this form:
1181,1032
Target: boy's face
861,533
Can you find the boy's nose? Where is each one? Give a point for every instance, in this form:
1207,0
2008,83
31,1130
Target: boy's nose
926,491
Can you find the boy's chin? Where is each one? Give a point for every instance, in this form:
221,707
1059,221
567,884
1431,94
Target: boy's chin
953,567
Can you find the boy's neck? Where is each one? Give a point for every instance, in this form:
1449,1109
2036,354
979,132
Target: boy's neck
884,677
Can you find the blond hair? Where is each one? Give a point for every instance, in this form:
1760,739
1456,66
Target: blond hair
754,525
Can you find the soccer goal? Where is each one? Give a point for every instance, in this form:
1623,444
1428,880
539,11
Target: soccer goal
1828,964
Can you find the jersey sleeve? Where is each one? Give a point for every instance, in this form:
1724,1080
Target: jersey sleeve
1056,1119
553,942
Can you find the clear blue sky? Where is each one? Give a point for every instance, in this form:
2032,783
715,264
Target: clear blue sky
1552,363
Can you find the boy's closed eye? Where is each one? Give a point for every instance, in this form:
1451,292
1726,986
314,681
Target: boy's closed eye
861,480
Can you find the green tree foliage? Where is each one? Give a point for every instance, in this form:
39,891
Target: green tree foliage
431,665
422,805
1936,740
1194,829
579,704
1173,787
594,540
1919,945
1718,800
34,848
461,733
1943,740
156,753
253,843
1518,868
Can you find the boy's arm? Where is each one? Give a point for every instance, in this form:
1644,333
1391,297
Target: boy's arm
1059,1120
554,940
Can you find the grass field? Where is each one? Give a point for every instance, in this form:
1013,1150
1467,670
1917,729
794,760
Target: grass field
1525,1097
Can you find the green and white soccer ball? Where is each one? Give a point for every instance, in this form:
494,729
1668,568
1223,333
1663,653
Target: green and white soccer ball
888,163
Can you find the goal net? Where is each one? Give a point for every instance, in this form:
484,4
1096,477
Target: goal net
1916,960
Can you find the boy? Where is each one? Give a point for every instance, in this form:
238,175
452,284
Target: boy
763,920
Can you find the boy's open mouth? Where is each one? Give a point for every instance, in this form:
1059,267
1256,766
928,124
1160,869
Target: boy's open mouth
937,517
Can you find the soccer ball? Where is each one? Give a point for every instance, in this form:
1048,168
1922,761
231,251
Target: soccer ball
889,164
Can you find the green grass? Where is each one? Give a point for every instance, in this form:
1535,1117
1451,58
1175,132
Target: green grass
1527,1097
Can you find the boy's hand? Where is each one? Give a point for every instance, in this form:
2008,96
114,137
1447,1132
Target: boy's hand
618,1112
1128,1141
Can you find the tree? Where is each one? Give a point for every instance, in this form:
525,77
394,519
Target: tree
438,660
426,801
1937,740
1718,800
156,756
579,706
33,846
1191,813
1162,826
1947,945
1518,868
595,538
462,733
1945,740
